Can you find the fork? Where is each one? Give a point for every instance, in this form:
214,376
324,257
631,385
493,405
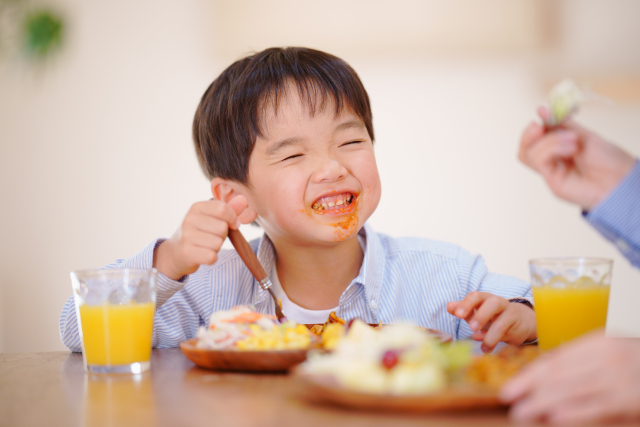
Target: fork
251,261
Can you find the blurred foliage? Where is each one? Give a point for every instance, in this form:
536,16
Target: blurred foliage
42,33
31,28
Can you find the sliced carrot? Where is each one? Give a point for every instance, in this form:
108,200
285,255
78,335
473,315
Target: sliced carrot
244,318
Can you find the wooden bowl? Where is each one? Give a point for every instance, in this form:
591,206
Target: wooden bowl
242,360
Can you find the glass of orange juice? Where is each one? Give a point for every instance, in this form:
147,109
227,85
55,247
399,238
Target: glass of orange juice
115,309
571,296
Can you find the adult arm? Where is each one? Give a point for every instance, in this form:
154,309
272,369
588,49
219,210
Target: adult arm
617,217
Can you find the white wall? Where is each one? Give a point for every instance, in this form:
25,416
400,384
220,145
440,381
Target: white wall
96,157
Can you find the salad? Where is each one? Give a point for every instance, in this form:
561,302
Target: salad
395,359
244,329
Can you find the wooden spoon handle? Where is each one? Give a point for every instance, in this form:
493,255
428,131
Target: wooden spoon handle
247,255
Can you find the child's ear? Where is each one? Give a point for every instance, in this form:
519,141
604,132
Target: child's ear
221,189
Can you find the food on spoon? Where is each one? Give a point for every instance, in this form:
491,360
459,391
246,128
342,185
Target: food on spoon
244,329
395,359
565,99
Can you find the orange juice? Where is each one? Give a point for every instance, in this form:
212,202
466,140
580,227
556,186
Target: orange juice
565,313
117,334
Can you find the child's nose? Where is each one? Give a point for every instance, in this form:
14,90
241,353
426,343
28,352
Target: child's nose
329,170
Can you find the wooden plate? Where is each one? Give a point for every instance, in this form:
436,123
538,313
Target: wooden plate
467,396
241,360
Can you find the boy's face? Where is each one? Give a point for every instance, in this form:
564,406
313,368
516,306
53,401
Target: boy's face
313,179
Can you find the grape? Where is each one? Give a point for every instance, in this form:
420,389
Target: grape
390,358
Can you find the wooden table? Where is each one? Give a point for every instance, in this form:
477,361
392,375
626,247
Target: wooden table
52,389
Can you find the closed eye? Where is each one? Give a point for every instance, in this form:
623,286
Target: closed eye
292,157
351,142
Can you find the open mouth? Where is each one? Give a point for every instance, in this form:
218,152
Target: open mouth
334,203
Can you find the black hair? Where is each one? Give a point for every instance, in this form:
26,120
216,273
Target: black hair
229,117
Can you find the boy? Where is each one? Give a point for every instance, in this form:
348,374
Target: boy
286,138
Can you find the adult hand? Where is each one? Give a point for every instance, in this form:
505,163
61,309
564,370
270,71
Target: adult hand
578,165
591,379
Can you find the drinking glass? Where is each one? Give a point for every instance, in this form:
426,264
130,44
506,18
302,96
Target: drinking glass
115,310
571,296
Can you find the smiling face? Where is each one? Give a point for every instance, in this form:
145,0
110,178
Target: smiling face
313,178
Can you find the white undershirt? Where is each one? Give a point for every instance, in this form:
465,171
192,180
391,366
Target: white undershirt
292,310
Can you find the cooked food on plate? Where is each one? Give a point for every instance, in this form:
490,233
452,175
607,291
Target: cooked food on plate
244,329
398,359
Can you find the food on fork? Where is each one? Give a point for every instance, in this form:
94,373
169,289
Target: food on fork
564,100
398,359
244,329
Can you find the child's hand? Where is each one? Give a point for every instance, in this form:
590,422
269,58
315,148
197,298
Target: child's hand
494,319
199,238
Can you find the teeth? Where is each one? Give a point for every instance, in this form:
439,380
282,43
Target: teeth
333,201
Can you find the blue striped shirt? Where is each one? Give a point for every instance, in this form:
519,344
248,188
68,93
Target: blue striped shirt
617,217
401,280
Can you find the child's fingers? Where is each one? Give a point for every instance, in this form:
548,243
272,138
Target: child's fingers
200,256
479,335
240,205
490,308
220,210
499,328
451,306
469,303
204,240
206,224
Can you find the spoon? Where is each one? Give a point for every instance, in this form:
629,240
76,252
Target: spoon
251,261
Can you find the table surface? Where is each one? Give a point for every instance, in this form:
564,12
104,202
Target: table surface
51,389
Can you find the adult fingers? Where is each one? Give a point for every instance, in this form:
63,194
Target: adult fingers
525,381
550,149
544,113
531,134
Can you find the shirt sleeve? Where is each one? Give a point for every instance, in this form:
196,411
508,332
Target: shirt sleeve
165,289
474,276
617,217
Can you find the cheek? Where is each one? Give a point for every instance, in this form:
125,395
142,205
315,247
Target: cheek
280,194
367,171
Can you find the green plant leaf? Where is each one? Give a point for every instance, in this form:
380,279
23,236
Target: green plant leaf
43,32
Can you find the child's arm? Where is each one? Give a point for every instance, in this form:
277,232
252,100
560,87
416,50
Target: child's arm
493,319
196,242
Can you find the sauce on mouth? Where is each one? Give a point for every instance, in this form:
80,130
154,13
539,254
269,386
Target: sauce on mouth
346,226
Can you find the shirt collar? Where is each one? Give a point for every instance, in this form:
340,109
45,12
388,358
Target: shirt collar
370,275
371,271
